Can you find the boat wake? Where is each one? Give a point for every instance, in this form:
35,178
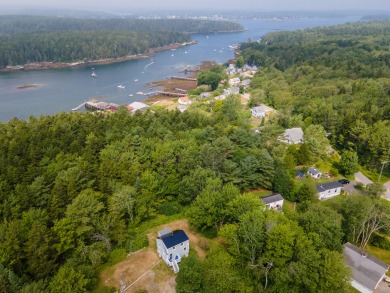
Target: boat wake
147,65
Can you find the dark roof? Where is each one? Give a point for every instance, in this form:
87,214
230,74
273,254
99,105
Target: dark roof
327,186
366,269
175,238
272,198
314,171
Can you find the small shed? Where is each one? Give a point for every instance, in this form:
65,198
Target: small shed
273,202
367,270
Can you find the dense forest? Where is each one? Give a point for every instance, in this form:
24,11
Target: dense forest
338,77
77,188
31,39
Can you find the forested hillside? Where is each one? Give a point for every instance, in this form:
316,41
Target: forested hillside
78,189
338,77
31,39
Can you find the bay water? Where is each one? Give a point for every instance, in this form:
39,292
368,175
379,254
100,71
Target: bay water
64,89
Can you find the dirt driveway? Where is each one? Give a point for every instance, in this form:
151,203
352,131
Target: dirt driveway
159,279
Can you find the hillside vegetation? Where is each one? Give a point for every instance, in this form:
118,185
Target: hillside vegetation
31,39
78,190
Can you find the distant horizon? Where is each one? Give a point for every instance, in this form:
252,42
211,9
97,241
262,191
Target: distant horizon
6,9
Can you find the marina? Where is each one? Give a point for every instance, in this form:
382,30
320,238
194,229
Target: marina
61,89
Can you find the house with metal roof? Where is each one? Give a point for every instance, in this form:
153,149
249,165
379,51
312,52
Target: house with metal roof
367,270
261,111
313,172
292,136
172,246
273,201
328,190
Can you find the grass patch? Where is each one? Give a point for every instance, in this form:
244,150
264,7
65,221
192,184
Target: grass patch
382,254
261,192
373,175
288,206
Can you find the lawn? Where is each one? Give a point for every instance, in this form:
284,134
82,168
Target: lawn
261,192
382,254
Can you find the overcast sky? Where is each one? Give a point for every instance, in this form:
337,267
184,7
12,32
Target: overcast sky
251,5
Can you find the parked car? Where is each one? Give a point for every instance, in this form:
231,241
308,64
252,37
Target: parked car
344,181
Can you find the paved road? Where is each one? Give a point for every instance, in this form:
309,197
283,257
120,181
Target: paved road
350,188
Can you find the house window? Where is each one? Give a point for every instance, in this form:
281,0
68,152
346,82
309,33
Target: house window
185,248
181,244
335,190
174,247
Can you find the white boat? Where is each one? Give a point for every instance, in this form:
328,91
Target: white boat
185,52
130,95
135,80
140,93
121,86
93,74
172,55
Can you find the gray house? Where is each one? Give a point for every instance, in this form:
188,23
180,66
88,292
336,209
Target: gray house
313,172
328,190
172,246
367,270
292,136
273,201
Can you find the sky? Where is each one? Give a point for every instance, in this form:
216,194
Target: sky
250,5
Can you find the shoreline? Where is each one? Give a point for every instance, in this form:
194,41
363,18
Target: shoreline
61,65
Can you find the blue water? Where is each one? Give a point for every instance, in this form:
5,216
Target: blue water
63,89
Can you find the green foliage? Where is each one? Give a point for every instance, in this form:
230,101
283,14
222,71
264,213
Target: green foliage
348,164
49,39
170,208
190,276
68,280
307,192
212,77
380,241
375,189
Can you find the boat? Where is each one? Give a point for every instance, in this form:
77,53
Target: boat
94,74
140,93
185,52
135,80
130,95
172,55
121,86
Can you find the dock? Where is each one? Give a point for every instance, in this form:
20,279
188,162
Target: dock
183,78
79,107
170,94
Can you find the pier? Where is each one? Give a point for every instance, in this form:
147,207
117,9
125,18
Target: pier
79,107
170,94
183,78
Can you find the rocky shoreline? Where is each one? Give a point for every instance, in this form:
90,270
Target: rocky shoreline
57,65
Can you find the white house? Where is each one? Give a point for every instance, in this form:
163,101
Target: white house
261,111
367,270
292,136
273,201
135,106
313,172
328,190
172,246
234,81
231,91
184,101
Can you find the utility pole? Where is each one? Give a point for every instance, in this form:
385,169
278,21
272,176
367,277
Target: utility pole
380,175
